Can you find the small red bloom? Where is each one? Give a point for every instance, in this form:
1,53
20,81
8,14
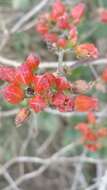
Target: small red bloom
73,35
102,132
23,75
44,83
37,103
62,43
58,10
13,94
83,128
42,28
50,37
91,118
58,99
86,50
85,103
62,102
104,75
63,22
32,62
7,73
67,106
22,116
103,16
62,84
90,136
93,147
77,12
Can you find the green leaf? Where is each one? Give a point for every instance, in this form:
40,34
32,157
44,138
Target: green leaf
101,31
82,72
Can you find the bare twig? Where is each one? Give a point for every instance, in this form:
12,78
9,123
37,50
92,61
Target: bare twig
36,160
103,184
33,174
28,16
78,171
10,180
46,65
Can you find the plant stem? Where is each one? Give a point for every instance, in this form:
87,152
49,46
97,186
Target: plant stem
60,62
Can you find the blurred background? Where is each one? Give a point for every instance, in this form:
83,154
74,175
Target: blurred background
44,134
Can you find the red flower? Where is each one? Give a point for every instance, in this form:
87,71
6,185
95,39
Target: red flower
103,16
13,94
104,75
63,22
73,35
93,147
58,99
90,136
91,118
85,103
50,37
86,50
32,62
62,84
42,28
44,83
77,12
62,102
22,116
37,103
62,43
83,128
58,10
23,75
102,132
7,73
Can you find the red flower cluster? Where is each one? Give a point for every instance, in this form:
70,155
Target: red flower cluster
43,90
59,28
91,135
39,90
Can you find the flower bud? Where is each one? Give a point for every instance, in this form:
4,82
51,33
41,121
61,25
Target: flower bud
22,116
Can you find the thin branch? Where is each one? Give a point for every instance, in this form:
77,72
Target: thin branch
28,176
10,180
56,112
28,16
37,160
46,65
78,171
36,173
103,184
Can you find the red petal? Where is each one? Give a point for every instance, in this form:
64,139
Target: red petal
37,103
13,94
32,61
7,73
78,12
23,75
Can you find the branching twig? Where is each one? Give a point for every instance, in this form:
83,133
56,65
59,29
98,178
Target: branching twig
10,180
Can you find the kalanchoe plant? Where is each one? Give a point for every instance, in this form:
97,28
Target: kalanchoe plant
58,28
